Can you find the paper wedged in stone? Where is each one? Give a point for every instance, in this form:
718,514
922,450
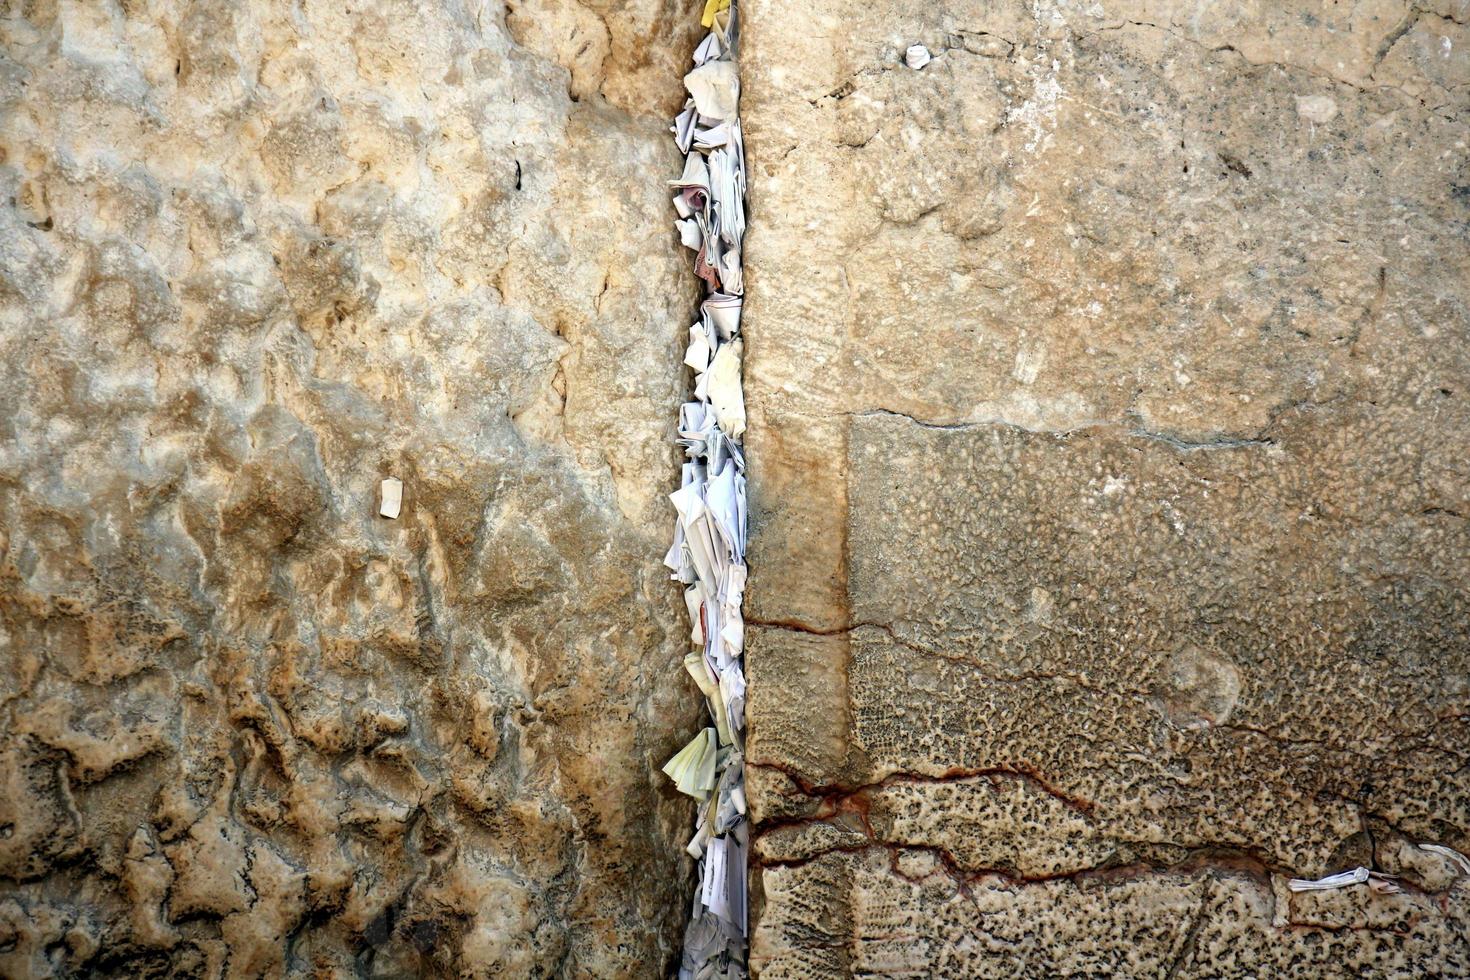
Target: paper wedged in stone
724,390
690,234
693,768
722,311
696,173
697,354
683,129
714,136
715,88
390,493
708,553
710,47
1340,880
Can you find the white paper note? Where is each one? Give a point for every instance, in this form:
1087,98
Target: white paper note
715,88
1340,880
391,497
724,389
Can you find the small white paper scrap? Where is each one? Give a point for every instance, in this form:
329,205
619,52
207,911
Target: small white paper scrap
917,56
391,493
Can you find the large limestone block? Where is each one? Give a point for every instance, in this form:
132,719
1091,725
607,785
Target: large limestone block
1111,371
254,258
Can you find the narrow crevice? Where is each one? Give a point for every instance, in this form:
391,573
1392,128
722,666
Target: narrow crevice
708,554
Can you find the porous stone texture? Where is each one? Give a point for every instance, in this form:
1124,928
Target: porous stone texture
255,257
1106,382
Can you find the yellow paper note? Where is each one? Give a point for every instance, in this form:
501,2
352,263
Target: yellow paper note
712,9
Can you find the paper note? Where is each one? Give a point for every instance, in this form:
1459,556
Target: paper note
1340,880
706,139
683,128
917,56
690,234
724,389
715,88
390,494
693,768
696,173
697,354
710,48
722,311
712,10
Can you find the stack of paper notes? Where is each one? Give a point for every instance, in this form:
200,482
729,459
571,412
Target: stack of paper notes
708,554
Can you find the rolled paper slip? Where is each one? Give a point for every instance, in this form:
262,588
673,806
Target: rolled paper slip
697,355
729,271
391,498
917,56
698,669
696,844
1340,880
690,234
694,603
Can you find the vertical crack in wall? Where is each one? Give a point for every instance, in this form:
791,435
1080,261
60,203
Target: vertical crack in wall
708,553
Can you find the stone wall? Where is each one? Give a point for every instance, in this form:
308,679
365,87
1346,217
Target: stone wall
1107,394
1107,422
255,257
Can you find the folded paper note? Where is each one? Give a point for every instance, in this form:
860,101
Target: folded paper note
715,88
712,11
390,494
693,768
724,390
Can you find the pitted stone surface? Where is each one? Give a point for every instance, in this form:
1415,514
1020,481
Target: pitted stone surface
904,914
1108,551
255,257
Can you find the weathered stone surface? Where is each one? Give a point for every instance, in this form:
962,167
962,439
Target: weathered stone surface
255,257
1106,384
